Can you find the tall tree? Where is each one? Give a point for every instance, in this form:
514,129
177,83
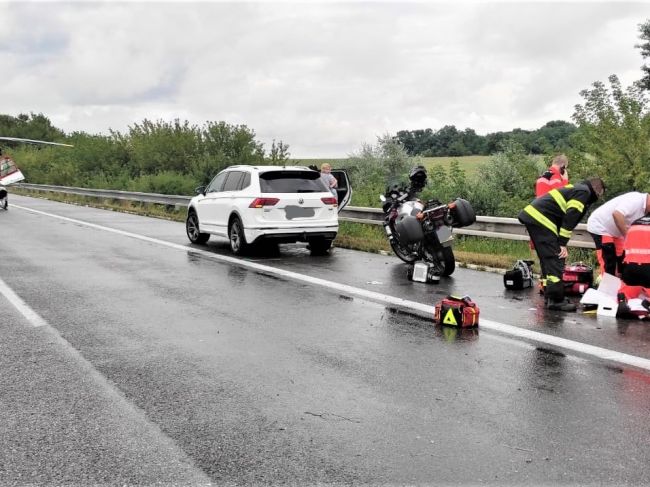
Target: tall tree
644,30
30,126
613,137
279,153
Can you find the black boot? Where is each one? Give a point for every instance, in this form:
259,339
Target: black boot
623,308
646,304
564,305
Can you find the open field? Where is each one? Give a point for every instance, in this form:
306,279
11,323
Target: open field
468,163
336,163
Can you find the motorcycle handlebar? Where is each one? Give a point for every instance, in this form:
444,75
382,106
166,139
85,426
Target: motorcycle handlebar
435,208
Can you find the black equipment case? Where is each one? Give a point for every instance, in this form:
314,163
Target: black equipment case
520,276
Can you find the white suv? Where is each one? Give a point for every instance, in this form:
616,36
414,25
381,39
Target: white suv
250,204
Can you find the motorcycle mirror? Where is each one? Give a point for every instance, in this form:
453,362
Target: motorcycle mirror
382,197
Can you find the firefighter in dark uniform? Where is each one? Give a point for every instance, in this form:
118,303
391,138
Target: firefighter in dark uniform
550,219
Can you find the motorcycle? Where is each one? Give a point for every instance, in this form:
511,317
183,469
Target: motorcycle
418,230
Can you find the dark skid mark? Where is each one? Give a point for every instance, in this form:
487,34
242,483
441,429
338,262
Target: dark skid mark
550,351
270,276
194,256
405,311
614,368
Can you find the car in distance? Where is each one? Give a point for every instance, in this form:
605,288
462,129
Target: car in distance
277,204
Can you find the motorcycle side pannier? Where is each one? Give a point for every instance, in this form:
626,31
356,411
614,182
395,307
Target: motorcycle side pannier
409,229
462,212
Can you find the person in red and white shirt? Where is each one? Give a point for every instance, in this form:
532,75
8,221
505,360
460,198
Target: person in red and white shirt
555,177
635,278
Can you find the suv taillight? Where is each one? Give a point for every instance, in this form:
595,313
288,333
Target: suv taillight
261,202
329,200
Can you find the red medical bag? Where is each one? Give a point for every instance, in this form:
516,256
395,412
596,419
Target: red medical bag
577,278
459,312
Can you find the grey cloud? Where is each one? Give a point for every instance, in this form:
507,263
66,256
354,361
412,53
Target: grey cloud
322,77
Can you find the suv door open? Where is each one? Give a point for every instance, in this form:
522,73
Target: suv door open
343,190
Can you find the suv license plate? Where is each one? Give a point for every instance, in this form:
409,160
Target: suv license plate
298,212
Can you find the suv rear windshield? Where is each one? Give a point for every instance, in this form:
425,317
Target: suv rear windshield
292,182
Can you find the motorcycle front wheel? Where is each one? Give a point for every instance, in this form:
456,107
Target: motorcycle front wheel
407,253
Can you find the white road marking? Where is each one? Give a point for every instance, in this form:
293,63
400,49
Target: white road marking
21,306
420,309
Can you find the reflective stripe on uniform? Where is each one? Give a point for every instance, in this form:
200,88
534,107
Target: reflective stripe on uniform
541,219
559,199
553,279
565,233
637,251
637,245
578,205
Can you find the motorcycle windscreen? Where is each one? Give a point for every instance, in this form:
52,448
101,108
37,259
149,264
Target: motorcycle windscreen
9,172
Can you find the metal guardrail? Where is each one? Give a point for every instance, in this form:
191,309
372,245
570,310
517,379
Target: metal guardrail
161,199
485,226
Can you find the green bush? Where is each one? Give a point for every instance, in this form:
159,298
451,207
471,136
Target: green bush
161,157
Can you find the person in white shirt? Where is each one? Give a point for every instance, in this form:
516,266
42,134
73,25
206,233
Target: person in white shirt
609,224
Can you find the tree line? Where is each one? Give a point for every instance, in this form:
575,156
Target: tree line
449,141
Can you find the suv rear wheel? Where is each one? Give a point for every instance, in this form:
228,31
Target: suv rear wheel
319,246
237,238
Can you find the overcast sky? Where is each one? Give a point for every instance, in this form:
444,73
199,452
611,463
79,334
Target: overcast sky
322,77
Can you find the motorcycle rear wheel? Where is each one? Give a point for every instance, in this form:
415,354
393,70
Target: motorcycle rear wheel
442,259
450,261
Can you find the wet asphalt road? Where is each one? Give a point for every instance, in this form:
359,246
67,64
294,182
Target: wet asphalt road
160,365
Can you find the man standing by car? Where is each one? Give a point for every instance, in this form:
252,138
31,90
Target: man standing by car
609,224
550,219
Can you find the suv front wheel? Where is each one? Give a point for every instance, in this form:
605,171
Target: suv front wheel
237,238
192,229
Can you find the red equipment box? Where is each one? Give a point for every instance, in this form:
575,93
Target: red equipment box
577,278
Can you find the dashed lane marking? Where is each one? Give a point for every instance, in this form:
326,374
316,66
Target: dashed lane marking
420,309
